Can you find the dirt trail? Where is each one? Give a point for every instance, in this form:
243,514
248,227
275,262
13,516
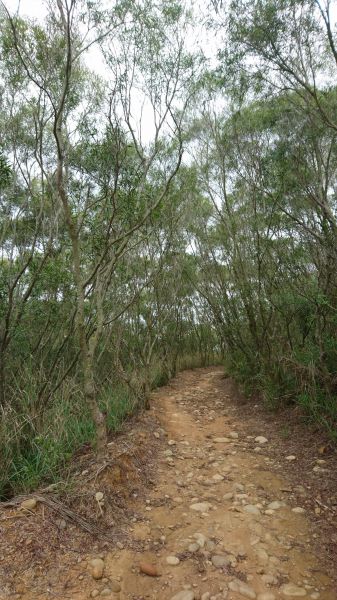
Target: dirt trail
218,509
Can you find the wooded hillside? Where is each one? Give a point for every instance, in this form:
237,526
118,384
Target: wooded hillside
174,206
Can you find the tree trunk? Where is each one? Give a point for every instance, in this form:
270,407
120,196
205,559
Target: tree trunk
147,388
86,352
2,378
97,416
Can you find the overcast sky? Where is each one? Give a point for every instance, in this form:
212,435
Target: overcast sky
199,37
38,10
31,8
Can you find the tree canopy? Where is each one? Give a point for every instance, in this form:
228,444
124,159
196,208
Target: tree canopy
166,209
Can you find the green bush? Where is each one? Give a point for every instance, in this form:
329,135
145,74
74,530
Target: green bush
36,446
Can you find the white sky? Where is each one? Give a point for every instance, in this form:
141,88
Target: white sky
37,9
144,120
31,8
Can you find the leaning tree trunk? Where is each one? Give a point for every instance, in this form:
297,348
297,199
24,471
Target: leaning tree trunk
97,416
87,350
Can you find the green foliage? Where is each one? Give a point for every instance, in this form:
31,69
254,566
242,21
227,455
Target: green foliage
122,263
37,444
36,449
268,260
5,173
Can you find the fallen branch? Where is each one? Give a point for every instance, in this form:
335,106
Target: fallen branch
63,510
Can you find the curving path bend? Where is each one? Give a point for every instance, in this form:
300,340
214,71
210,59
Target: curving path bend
220,522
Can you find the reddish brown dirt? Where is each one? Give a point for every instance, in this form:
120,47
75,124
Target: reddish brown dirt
171,459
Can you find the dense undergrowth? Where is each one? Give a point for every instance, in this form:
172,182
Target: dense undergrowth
36,448
280,389
126,243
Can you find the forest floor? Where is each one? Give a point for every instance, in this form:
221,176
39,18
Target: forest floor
204,496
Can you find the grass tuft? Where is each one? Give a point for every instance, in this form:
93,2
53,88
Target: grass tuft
38,442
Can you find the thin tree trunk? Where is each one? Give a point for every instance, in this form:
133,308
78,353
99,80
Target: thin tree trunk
2,378
86,353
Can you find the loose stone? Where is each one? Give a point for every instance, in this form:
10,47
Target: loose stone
276,505
298,510
172,561
210,545
184,595
242,588
148,569
201,506
194,547
96,567
201,539
290,590
269,579
238,487
251,509
115,587
219,561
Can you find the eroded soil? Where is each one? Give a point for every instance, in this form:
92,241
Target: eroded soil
208,497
